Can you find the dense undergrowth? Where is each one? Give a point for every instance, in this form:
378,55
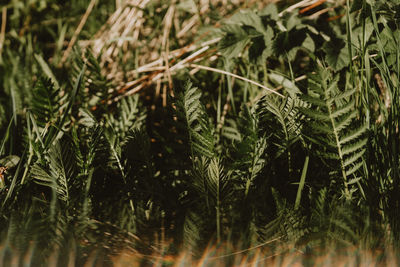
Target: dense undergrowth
201,131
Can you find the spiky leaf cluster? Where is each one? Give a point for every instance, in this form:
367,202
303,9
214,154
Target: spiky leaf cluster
333,127
193,113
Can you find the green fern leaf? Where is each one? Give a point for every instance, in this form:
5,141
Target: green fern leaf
60,162
193,113
344,121
349,106
45,102
316,115
342,95
313,100
353,158
281,117
341,135
354,168
352,135
351,148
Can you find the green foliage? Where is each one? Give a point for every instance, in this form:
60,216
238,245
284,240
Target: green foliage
45,103
333,127
193,114
60,168
85,166
337,54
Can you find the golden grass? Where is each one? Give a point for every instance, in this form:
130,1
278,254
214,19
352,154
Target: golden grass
273,253
281,257
129,35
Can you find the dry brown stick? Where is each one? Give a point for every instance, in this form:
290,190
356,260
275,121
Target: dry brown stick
385,96
187,27
315,15
297,5
117,4
175,54
167,24
78,30
335,17
167,70
318,3
146,81
131,87
3,28
165,45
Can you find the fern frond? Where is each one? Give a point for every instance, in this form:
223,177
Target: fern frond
217,185
192,231
86,171
354,157
333,126
250,149
280,118
200,131
96,85
353,168
128,116
344,121
313,100
320,128
45,103
60,161
349,149
138,159
342,95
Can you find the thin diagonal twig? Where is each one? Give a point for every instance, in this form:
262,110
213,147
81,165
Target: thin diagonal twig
236,76
3,28
78,31
245,250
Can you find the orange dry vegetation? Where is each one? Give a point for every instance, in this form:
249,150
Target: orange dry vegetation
127,29
261,257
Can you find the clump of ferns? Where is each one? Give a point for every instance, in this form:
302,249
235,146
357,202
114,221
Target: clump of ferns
246,158
267,147
280,121
208,188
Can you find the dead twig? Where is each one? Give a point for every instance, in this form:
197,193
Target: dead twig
3,28
78,31
318,3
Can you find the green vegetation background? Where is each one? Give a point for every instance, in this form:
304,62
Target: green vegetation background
202,154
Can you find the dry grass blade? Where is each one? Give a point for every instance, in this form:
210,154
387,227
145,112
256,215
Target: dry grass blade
318,3
78,30
307,5
247,249
168,19
173,55
300,4
157,72
319,13
126,32
122,27
236,76
3,28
